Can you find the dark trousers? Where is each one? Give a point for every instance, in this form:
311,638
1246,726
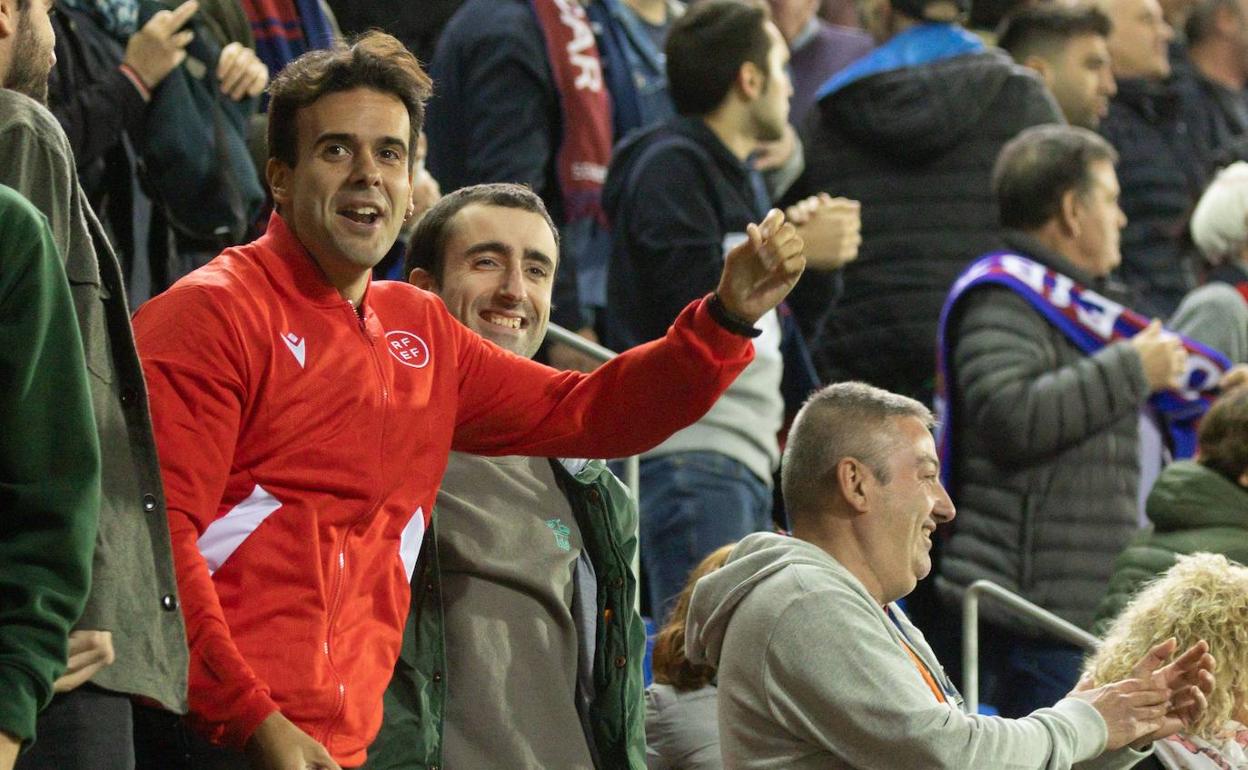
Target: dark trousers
164,742
88,728
691,504
1021,674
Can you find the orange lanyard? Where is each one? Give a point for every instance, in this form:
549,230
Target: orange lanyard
924,671
926,674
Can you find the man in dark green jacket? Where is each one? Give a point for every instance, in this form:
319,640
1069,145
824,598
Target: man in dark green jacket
523,647
49,470
1193,506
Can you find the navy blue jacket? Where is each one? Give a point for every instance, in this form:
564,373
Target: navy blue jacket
673,193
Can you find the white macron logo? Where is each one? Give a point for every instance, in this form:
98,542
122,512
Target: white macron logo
296,345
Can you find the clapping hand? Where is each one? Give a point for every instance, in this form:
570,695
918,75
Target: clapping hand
1157,700
830,227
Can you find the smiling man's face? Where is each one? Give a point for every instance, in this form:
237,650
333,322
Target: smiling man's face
909,507
498,274
348,194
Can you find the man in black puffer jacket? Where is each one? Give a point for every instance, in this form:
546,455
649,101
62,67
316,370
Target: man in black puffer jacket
1045,452
911,130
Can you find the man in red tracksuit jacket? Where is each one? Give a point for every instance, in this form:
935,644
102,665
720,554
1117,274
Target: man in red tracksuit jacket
304,415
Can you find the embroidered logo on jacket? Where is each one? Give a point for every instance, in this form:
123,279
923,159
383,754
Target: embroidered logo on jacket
408,349
561,534
296,345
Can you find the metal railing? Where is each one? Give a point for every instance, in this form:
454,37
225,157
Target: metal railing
632,465
1067,632
557,333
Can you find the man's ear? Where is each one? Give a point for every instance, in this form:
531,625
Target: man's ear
1070,213
854,482
8,19
750,81
1243,479
411,193
278,175
1042,68
422,279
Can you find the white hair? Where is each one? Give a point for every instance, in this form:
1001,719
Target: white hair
1220,221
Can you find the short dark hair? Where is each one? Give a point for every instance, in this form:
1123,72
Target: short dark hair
988,14
1039,166
371,60
1203,16
1223,435
706,48
1043,29
847,419
427,247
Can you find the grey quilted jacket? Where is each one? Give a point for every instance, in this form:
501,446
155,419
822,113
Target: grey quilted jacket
1045,461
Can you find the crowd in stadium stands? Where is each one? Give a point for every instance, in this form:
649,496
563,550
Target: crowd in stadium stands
906,295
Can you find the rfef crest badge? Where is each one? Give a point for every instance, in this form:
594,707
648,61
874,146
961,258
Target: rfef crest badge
408,349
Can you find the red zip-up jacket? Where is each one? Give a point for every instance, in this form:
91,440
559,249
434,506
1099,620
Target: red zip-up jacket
302,445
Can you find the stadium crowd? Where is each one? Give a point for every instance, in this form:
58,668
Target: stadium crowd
904,295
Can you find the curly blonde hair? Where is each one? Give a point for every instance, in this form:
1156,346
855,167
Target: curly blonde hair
1203,596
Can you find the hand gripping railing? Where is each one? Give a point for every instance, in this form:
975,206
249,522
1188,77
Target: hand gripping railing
632,465
1019,606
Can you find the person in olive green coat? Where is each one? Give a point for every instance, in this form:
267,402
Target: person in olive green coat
1194,506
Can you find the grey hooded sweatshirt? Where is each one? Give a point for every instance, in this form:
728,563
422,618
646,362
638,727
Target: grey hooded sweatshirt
814,674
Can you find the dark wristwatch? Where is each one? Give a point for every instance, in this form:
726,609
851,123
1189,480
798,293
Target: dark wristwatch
738,326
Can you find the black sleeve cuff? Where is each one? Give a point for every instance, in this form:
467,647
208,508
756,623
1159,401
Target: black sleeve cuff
715,307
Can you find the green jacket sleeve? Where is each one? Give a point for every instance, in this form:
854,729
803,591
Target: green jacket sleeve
49,466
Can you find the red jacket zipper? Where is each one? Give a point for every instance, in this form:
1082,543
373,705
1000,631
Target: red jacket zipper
340,577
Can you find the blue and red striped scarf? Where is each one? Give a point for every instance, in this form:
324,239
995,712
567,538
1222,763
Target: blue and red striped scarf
1091,322
286,29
